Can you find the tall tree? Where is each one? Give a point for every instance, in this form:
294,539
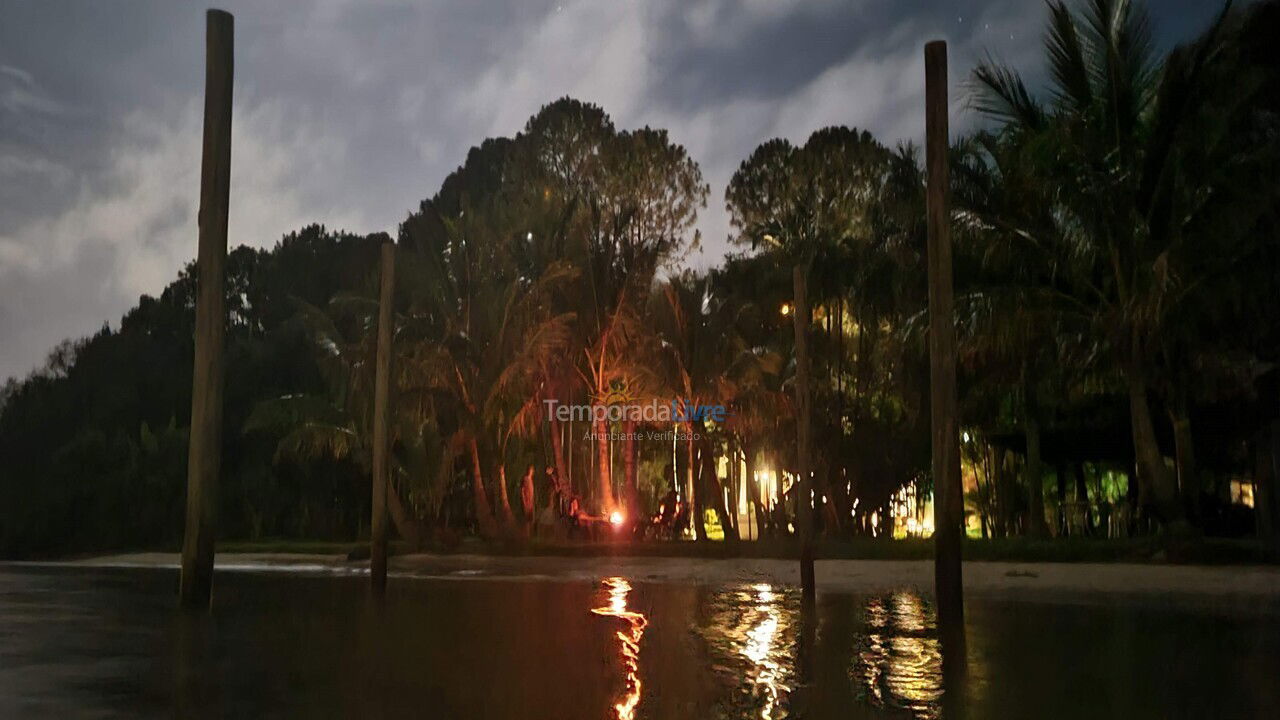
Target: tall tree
1122,139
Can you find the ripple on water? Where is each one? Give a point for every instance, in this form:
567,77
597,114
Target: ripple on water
751,637
898,661
634,623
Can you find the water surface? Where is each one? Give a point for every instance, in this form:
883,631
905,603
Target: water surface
100,642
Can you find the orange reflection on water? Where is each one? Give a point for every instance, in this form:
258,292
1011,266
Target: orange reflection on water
630,642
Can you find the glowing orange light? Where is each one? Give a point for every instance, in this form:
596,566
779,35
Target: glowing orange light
785,309
630,641
615,517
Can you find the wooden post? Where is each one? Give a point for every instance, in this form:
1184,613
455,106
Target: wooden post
381,420
804,488
1033,468
948,501
205,453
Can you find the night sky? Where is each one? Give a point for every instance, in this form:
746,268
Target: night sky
348,113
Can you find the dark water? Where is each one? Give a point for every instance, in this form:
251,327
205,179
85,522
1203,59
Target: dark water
108,643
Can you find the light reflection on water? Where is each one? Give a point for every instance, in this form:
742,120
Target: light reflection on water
895,660
629,643
751,635
109,643
900,661
759,650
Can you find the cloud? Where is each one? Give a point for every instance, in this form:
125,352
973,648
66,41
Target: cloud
877,84
348,113
589,50
18,74
86,265
19,93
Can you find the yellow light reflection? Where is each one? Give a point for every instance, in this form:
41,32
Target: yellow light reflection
901,663
751,637
871,659
760,650
629,648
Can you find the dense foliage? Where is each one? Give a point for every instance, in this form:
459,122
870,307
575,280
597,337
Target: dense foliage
95,443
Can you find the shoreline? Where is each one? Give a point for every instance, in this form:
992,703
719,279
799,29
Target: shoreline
1232,587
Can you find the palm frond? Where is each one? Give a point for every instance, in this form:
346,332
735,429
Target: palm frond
1068,65
998,91
318,440
288,411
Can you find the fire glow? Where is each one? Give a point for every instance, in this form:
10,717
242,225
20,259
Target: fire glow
630,642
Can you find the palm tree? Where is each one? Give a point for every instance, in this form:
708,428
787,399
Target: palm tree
1122,152
1021,323
488,335
695,328
634,197
338,425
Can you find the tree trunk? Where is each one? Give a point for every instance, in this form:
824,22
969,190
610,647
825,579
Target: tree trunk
204,457
504,500
712,484
804,488
406,527
1034,475
527,502
828,510
1060,475
484,514
842,472
1006,523
630,492
1132,498
1185,455
557,448
1082,499
996,462
733,490
753,488
1156,486
381,424
601,429
693,498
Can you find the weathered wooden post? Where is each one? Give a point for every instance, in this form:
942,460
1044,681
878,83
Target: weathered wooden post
804,488
948,501
381,420
205,454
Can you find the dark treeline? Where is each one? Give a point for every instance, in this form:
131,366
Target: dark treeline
95,443
1116,248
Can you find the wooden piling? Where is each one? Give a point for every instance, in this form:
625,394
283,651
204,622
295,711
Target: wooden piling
205,453
804,490
948,501
381,421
